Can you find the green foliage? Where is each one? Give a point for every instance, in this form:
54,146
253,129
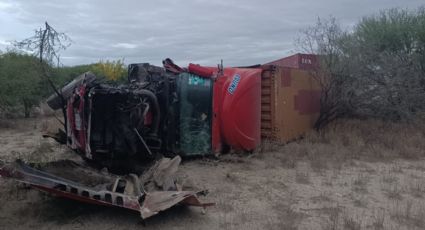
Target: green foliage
392,31
21,81
27,79
65,74
377,69
388,51
111,70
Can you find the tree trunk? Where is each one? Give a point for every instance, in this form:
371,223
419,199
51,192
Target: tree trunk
27,109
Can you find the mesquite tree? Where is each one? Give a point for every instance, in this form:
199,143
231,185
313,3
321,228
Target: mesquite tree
325,39
46,44
375,69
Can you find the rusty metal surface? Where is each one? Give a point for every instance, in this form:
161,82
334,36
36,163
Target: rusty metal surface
290,102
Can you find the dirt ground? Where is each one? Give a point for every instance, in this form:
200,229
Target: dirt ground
354,175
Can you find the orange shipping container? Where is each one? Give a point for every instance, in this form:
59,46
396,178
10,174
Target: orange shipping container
290,102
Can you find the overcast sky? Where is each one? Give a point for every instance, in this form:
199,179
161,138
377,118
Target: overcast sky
241,32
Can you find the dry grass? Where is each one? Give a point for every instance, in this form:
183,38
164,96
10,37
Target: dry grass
7,124
353,175
356,139
288,218
302,177
396,169
409,213
378,219
334,217
417,188
351,224
360,183
360,202
393,192
323,197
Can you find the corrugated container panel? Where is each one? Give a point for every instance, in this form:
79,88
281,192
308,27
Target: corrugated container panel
267,85
290,102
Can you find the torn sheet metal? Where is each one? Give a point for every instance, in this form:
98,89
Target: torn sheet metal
84,184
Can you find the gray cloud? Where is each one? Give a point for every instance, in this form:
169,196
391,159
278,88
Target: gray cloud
241,32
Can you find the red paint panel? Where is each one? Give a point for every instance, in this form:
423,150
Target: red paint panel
148,118
236,107
298,61
307,61
200,71
216,141
286,77
78,197
291,61
307,101
76,120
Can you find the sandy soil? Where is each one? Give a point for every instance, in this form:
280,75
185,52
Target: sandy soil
309,184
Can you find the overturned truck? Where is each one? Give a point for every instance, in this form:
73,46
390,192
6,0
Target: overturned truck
198,111
127,130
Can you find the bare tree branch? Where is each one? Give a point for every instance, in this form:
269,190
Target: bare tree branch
46,44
